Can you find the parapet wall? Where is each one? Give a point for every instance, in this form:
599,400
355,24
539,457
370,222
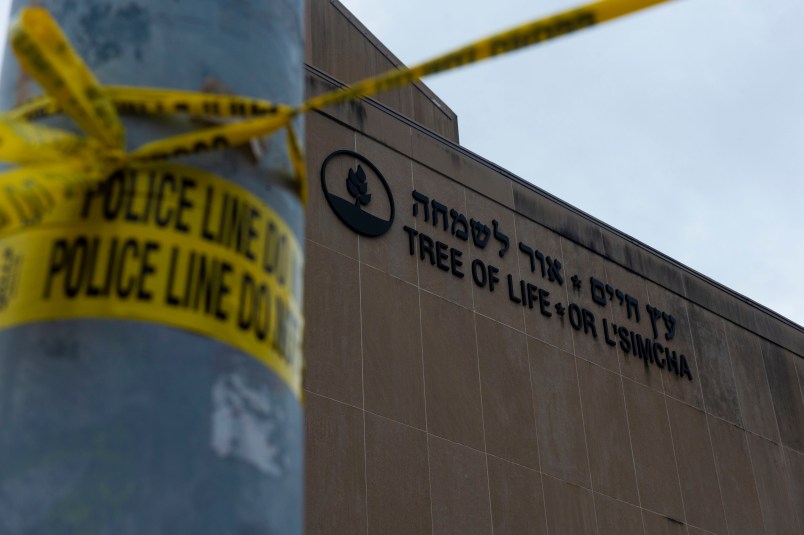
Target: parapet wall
346,51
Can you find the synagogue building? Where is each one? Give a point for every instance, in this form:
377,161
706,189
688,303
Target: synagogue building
484,358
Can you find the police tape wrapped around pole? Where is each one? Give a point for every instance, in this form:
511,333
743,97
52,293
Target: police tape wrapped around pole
151,311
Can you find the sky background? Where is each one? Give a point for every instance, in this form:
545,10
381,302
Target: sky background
681,125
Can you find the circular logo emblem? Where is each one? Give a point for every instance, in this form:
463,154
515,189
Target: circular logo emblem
357,193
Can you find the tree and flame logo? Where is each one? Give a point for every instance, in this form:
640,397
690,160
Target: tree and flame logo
350,196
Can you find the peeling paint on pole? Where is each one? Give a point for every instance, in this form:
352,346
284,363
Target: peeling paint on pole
111,426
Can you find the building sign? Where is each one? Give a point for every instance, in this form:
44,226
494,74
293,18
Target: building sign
353,210
442,245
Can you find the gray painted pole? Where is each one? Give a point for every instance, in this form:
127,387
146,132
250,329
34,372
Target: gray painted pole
119,427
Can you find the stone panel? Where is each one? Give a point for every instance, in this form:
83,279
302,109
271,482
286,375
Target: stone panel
397,478
452,384
662,525
437,156
423,109
696,467
392,348
654,455
737,484
559,418
767,460
629,254
616,517
485,181
517,504
332,349
506,390
557,216
780,365
380,125
335,471
460,489
751,380
610,458
570,509
795,483
714,365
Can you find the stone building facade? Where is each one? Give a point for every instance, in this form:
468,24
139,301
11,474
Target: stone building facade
484,358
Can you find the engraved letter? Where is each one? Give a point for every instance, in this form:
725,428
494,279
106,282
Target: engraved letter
499,236
425,202
460,220
598,291
528,251
480,233
438,207
670,323
632,302
554,270
654,314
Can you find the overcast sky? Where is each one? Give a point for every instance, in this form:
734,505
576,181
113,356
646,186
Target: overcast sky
682,125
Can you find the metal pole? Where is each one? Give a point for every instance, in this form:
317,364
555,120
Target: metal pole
120,427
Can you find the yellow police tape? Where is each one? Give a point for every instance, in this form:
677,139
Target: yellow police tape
87,230
162,243
46,54
520,37
265,118
146,101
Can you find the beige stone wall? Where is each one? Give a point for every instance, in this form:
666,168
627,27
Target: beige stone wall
437,406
